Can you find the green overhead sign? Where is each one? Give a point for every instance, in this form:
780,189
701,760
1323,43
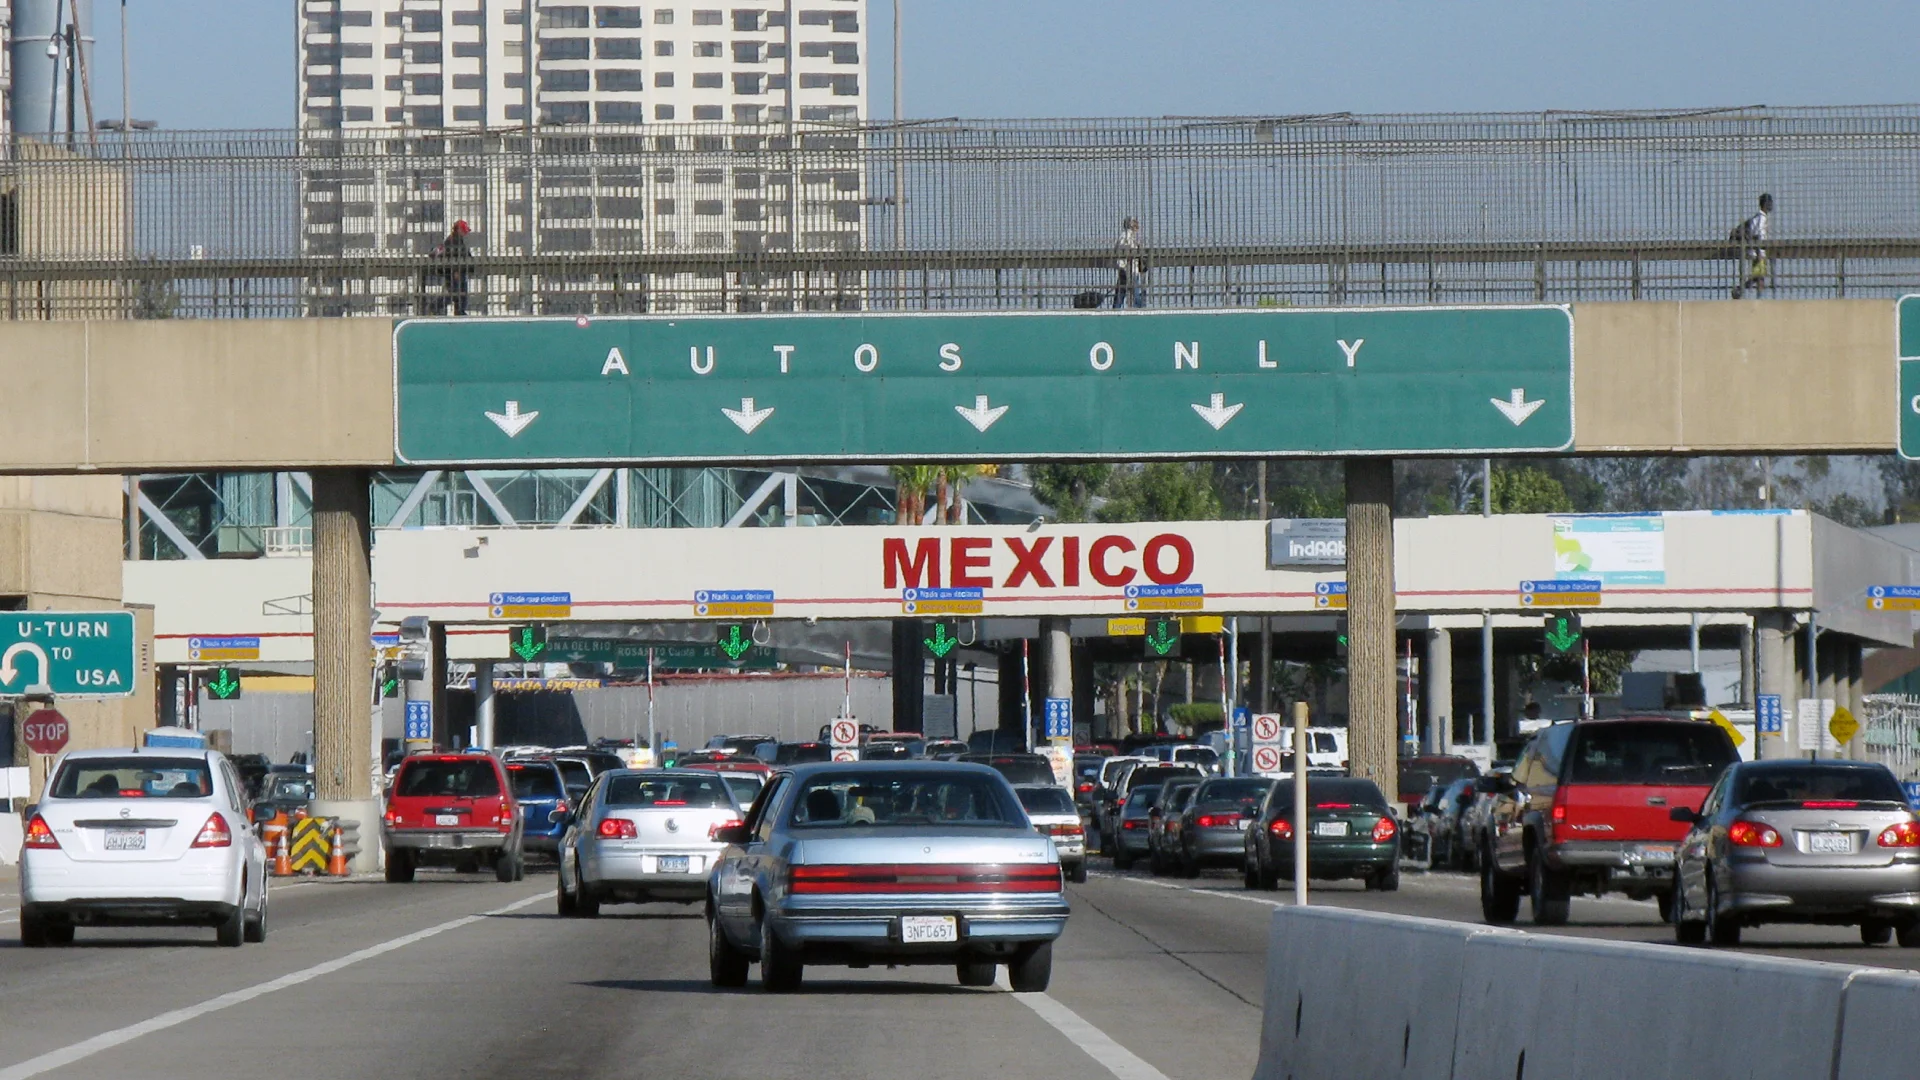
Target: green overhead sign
1908,338
984,387
66,653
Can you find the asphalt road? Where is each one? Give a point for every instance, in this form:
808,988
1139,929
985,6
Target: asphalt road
460,976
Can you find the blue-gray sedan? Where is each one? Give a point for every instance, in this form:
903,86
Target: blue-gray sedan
895,862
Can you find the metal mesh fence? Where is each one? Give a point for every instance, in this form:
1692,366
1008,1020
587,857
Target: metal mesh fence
951,214
1891,733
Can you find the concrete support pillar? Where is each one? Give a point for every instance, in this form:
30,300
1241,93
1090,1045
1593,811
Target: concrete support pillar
1776,673
909,675
1854,692
1748,683
1371,706
1486,683
483,704
1832,683
1056,662
1012,689
344,757
1436,686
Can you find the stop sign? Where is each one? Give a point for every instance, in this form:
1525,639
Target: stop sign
46,731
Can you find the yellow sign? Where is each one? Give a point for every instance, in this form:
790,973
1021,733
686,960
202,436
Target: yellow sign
1843,726
1168,603
1126,627
312,844
1726,725
1202,624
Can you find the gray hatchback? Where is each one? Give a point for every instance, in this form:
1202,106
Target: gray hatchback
1800,841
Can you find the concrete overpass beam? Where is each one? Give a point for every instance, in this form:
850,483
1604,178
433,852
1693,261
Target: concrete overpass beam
1370,622
344,748
1436,686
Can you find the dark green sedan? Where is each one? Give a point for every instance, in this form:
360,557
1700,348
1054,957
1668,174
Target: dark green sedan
1351,833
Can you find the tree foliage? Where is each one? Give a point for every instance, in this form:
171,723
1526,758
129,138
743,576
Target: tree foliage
1162,491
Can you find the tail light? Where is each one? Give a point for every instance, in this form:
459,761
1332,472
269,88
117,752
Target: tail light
1216,821
713,831
1130,824
560,807
1333,806
925,878
1905,834
1085,788
1831,804
1559,806
39,835
1065,830
1282,829
1384,830
214,834
393,816
1752,834
503,816
617,829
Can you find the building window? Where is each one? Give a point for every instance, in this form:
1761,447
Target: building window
463,50
568,48
564,112
563,18
663,78
842,52
323,85
843,22
663,16
620,48
747,82
467,18
709,208
746,52
617,18
469,82
469,114
706,18
706,48
747,20
708,80
513,48
841,85
415,22
425,86
663,112
746,114
619,80
563,82
663,48
358,114
416,52
708,112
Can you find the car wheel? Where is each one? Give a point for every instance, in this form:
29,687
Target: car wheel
1908,934
1250,871
1079,874
60,933
232,930
33,931
1875,932
1499,894
1269,878
726,965
1032,969
1664,902
504,867
975,973
1686,931
563,901
400,866
585,901
1387,880
1720,930
1548,893
780,968
255,928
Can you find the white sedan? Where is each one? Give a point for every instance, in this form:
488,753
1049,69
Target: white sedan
137,837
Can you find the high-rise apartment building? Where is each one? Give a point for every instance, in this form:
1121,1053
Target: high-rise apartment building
674,125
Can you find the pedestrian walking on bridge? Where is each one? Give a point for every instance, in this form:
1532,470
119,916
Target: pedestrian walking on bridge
453,253
1131,260
1751,236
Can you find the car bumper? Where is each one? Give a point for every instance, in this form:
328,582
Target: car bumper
1624,861
1219,845
638,870
1762,888
448,840
871,925
1333,859
1134,841
51,880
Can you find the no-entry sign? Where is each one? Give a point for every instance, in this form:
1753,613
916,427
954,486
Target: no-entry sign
1266,759
45,731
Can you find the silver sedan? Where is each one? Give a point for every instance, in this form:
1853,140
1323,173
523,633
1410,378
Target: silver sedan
641,835
1799,841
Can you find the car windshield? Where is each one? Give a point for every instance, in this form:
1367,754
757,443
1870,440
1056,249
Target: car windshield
575,773
705,791
1161,774
924,799
1179,796
1324,742
1815,784
1046,800
1332,793
289,789
142,777
1417,777
534,782
745,786
1245,794
1662,752
1142,798
1017,768
471,779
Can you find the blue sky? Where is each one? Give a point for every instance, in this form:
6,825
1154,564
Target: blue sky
229,63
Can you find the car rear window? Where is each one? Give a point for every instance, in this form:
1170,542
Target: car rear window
1046,800
1161,774
744,785
534,782
918,799
1330,790
289,788
1017,768
1814,783
1419,776
471,779
1244,793
798,753
705,791
142,777
1676,752
1143,797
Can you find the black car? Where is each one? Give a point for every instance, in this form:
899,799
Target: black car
798,753
253,769
1351,833
1017,768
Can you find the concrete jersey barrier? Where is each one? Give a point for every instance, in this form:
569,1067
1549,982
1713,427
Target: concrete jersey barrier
1359,994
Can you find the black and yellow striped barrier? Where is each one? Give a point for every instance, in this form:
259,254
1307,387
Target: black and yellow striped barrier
312,844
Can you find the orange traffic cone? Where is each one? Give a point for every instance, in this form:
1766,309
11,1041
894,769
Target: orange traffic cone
337,857
282,860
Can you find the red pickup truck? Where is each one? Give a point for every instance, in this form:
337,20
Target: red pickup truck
1587,811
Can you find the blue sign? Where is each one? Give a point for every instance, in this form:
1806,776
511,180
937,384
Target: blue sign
1567,592
1912,788
1767,716
420,720
1155,592
223,648
1893,597
1059,714
1242,718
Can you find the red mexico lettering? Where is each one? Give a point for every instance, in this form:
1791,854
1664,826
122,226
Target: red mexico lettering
922,570
1097,560
966,554
1070,562
1027,563
1182,559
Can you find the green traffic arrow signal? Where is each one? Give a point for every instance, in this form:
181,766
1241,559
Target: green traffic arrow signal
734,643
942,641
1563,634
387,688
225,686
531,644
1163,637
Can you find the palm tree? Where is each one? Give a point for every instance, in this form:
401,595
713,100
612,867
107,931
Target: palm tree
910,485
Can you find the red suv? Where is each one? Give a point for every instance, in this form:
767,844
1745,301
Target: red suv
1587,810
452,810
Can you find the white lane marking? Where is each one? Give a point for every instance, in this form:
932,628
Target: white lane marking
1096,1044
86,1048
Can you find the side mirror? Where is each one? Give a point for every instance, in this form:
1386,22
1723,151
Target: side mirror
1686,815
1505,784
731,834
260,813
559,815
27,811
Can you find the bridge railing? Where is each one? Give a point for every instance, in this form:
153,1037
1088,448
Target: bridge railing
959,214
